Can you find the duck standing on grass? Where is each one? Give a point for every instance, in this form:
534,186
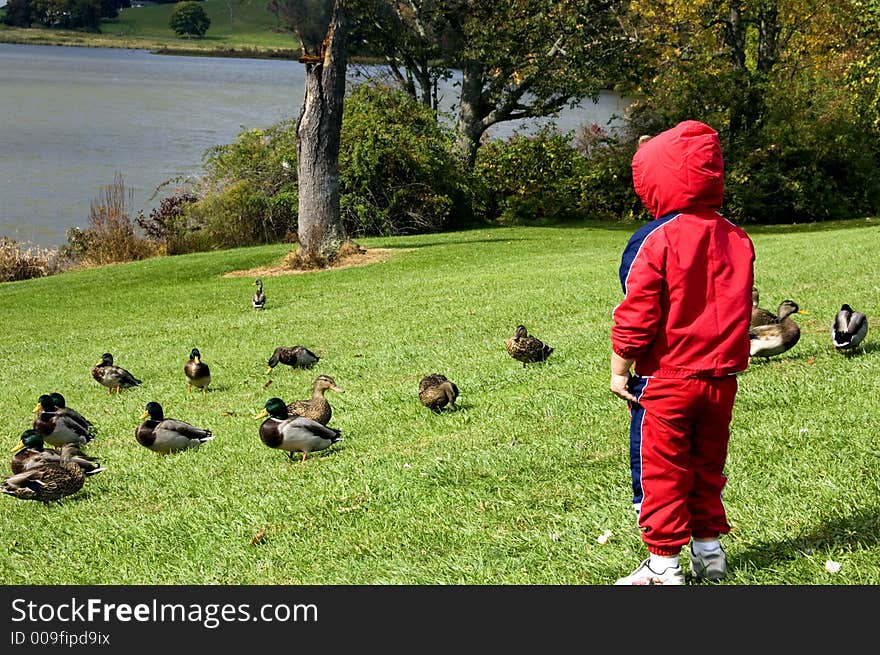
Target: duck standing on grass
436,391
849,329
58,428
776,338
281,431
111,376
317,407
527,349
167,435
198,374
259,299
293,356
50,481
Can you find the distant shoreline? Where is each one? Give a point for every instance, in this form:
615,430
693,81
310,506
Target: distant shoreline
68,38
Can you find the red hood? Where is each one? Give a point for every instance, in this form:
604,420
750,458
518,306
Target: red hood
680,169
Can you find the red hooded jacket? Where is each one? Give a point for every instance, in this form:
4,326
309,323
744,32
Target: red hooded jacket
687,275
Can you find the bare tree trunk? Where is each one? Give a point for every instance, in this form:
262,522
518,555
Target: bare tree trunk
318,130
471,124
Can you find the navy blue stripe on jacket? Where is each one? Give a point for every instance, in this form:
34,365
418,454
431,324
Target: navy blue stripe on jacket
635,244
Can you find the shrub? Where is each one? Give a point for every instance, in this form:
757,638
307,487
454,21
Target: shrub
248,194
530,179
168,225
111,236
607,191
18,262
397,169
189,18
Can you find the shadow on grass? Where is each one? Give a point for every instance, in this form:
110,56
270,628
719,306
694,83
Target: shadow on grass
861,529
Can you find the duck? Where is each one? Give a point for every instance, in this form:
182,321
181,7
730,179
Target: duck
527,349
198,374
761,316
259,299
294,356
775,338
436,391
58,428
50,481
113,377
28,449
317,407
294,433
849,328
30,452
167,435
62,408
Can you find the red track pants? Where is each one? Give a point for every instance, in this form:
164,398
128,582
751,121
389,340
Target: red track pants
679,431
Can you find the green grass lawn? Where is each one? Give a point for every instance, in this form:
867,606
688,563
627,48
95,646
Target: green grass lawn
240,25
514,488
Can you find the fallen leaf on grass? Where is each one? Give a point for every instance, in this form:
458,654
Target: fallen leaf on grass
259,538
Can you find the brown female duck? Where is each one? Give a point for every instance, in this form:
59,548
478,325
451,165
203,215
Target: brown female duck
293,356
436,391
527,349
317,407
52,480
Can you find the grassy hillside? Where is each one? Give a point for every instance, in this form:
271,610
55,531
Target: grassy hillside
514,488
239,25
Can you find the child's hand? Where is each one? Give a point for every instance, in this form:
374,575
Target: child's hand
619,387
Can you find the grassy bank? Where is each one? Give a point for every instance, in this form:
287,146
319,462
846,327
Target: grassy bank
237,29
514,488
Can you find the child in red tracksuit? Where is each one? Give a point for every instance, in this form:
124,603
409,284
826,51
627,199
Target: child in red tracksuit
682,328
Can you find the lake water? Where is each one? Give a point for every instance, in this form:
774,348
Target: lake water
71,118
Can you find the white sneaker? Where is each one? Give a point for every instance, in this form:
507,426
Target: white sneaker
645,575
709,565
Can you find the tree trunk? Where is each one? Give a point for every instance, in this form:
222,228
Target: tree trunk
471,124
318,130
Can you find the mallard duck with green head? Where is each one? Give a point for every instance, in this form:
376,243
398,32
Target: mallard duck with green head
111,376
436,391
293,356
58,428
52,480
776,338
317,407
849,329
527,349
30,452
197,373
62,408
167,435
293,434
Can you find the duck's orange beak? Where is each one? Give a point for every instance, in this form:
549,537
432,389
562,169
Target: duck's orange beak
262,414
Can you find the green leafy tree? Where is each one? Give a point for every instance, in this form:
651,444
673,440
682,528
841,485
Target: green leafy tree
518,59
189,18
